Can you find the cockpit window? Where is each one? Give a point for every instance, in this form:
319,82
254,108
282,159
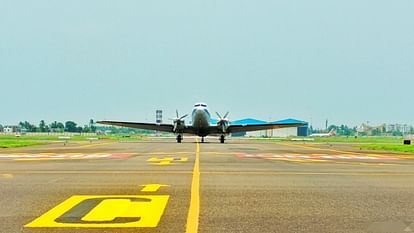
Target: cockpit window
203,105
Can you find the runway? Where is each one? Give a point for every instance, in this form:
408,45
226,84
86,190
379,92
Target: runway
240,186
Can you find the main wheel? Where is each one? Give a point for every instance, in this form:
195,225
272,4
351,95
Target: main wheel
179,138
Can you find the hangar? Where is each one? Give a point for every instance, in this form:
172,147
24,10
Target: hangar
301,131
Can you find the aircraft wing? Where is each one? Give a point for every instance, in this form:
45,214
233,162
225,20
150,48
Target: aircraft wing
137,125
256,127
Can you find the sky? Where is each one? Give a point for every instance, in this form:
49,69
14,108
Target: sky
346,61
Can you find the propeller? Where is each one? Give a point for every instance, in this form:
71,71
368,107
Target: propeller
223,122
178,121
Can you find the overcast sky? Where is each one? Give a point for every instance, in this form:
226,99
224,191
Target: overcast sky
347,61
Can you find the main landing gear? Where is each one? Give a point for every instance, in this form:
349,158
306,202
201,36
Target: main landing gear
222,138
179,138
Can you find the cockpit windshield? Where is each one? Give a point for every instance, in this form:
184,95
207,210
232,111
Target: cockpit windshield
200,105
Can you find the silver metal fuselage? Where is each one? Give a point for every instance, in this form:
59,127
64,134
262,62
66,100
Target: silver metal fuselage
201,119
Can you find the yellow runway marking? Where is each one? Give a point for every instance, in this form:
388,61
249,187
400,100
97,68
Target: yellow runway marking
37,159
105,211
167,160
152,187
194,210
186,152
7,176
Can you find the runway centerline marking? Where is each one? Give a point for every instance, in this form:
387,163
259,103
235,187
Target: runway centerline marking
194,210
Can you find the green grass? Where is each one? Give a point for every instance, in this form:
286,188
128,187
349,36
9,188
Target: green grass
41,138
27,138
11,141
72,138
388,147
18,143
343,139
359,139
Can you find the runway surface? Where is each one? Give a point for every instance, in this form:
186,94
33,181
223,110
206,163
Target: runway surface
240,186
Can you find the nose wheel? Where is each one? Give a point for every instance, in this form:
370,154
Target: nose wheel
222,138
202,139
179,138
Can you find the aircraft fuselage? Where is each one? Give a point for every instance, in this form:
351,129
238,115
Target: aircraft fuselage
201,119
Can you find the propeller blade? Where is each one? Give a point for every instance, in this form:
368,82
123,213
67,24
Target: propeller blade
176,112
218,114
183,117
225,116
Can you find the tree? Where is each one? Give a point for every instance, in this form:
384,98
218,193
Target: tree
61,126
56,126
86,129
29,127
42,126
53,125
70,126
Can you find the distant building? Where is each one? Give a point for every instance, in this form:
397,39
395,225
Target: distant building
403,128
11,129
301,131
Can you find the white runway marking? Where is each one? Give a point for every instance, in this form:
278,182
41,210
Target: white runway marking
65,156
312,156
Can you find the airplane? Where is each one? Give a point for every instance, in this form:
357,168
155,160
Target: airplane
330,134
200,126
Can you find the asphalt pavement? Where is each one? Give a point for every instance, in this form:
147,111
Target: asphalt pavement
243,185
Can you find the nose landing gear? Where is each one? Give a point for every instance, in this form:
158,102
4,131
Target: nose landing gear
222,138
179,138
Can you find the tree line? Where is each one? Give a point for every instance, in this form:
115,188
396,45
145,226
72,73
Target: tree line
57,127
73,127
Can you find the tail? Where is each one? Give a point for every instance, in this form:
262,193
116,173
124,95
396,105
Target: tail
332,132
